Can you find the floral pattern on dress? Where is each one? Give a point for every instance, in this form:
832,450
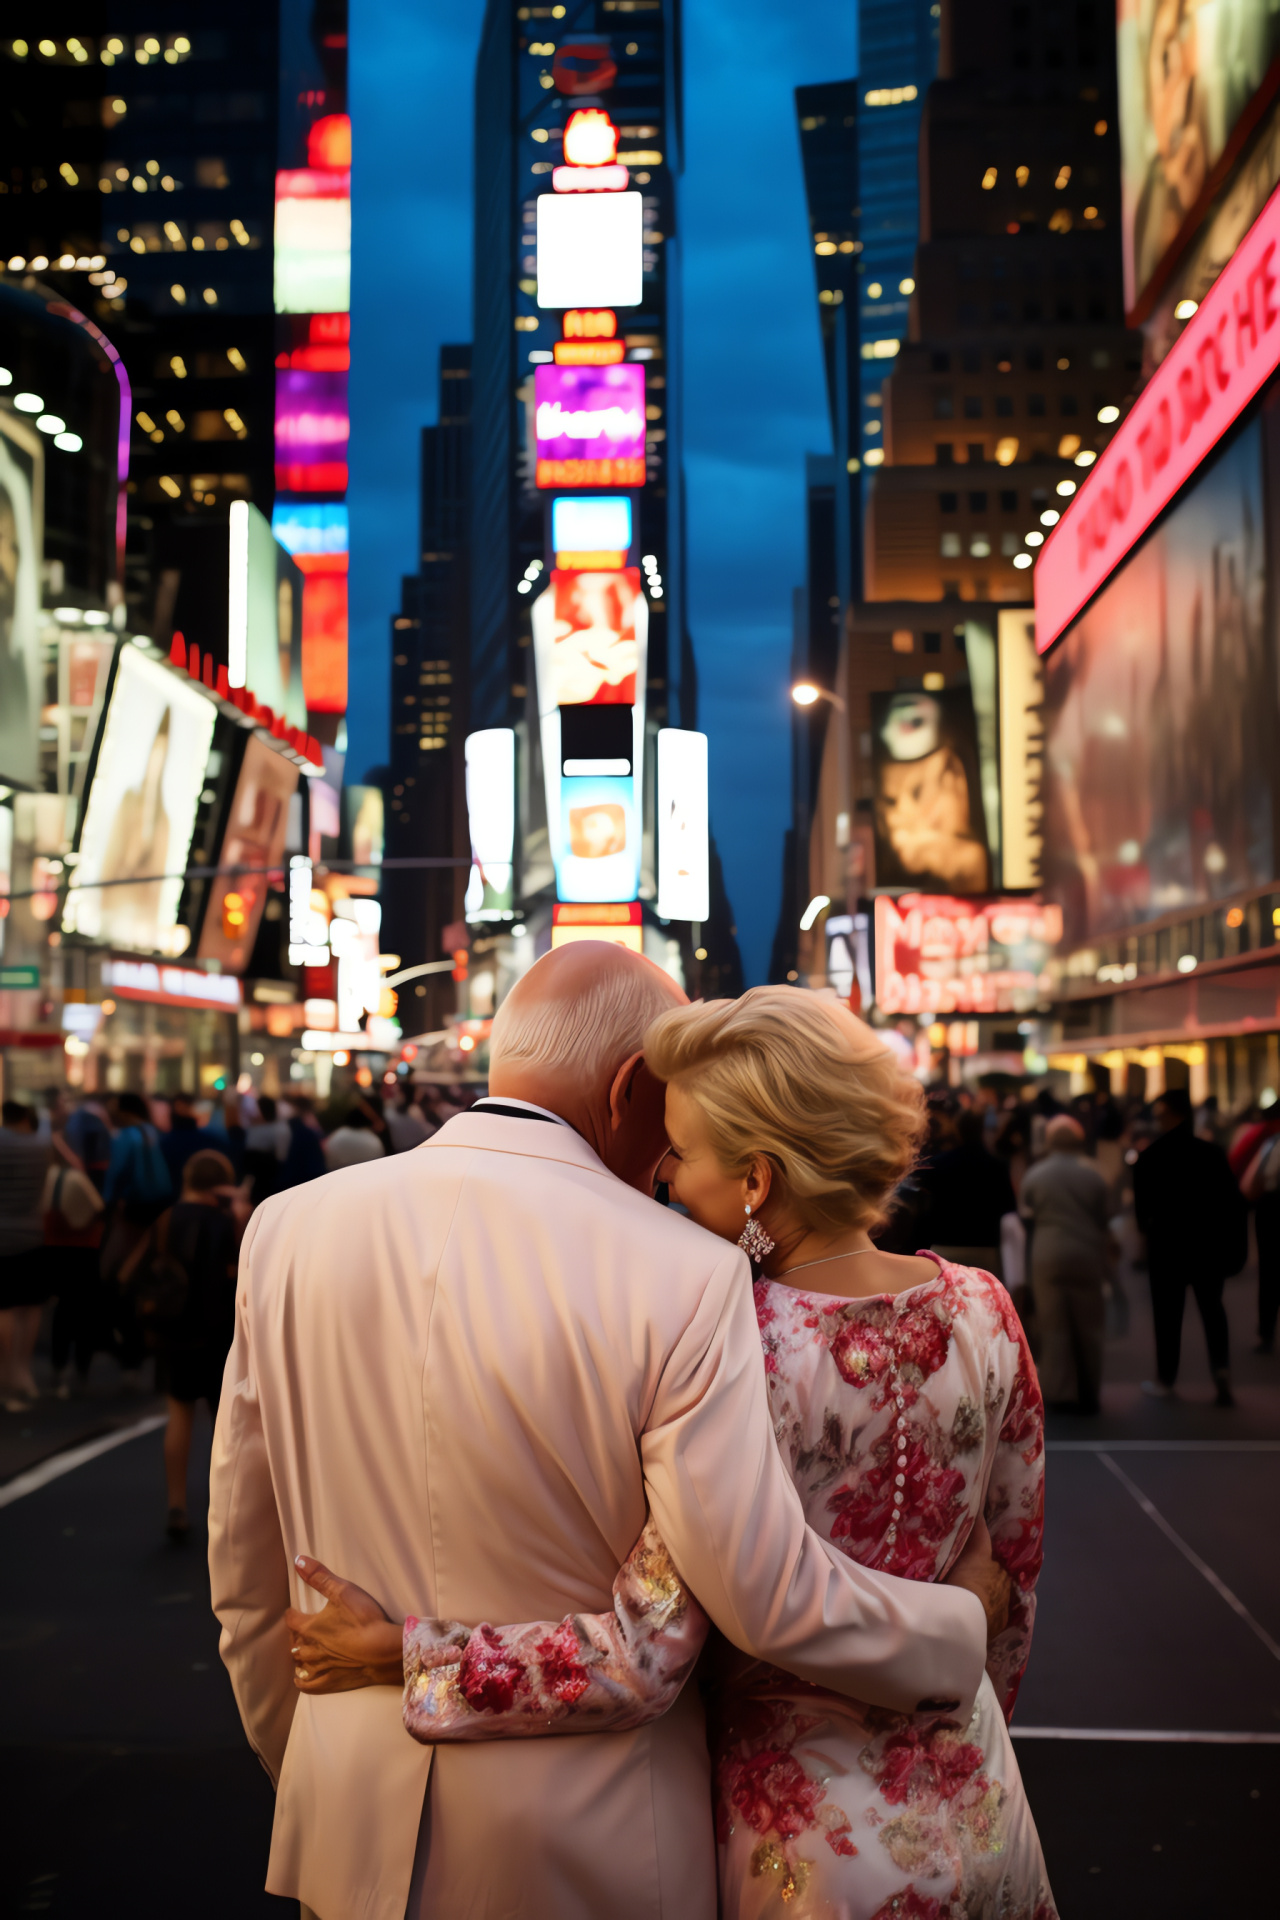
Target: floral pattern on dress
903,1418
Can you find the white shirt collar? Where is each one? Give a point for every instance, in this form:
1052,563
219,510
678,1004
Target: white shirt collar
505,1100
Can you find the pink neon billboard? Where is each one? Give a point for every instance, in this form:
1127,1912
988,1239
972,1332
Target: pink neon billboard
590,425
1227,352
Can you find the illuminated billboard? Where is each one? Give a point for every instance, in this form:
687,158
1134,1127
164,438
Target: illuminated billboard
491,817
587,524
590,652
599,838
313,240
1227,351
1189,74
684,864
313,427
936,954
1021,720
590,249
621,926
1160,729
264,625
254,839
21,559
141,810
930,829
590,426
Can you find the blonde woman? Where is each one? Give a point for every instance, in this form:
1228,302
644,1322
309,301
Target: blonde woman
906,1405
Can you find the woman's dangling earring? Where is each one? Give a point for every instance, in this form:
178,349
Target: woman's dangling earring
754,1240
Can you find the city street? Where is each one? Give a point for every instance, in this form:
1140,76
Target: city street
1148,1727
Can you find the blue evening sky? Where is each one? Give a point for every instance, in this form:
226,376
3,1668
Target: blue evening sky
755,401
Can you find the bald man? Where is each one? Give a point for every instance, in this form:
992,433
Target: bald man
463,1376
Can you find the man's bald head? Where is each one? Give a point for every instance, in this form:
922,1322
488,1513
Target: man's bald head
569,1036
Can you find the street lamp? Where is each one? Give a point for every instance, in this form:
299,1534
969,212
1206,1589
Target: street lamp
806,694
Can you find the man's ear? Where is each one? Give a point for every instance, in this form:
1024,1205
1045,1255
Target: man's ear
621,1090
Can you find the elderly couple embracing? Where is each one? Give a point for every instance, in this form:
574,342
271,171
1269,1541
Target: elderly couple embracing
506,1450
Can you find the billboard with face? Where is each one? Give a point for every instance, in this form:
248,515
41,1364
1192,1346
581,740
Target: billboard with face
21,551
141,809
594,654
1160,717
590,426
254,839
930,830
1188,70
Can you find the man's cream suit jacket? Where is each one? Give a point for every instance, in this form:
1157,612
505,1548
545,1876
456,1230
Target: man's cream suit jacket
460,1375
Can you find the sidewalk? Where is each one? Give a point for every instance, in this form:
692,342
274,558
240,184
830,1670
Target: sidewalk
50,1426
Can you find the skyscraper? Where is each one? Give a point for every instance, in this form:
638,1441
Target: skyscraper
426,799
578,644
898,58
142,174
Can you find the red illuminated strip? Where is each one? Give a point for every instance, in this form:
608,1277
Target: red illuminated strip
591,473
589,353
324,476
621,914
321,359
1225,355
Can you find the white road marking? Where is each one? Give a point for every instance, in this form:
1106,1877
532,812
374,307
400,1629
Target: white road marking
1189,1553
60,1463
1164,1734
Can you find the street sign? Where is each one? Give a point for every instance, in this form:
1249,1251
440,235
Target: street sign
19,976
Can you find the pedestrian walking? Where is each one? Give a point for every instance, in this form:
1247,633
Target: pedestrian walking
1064,1199
73,1220
137,1188
1191,1210
183,1281
305,1158
1261,1186
355,1140
186,1136
969,1193
266,1147
24,1280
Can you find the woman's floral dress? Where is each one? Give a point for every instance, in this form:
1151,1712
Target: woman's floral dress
903,1417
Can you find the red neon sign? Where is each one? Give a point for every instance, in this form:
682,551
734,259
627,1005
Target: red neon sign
1225,355
622,472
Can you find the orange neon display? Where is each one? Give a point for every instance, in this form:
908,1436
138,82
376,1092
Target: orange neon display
329,141
589,353
623,472
590,138
324,642
590,323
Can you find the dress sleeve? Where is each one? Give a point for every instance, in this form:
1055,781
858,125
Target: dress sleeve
590,1673
1014,1513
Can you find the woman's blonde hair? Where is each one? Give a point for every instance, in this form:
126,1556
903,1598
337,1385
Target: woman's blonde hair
798,1079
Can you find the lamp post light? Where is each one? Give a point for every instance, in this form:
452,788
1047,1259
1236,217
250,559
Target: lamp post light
806,694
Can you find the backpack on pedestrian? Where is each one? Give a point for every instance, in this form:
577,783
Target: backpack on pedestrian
156,1282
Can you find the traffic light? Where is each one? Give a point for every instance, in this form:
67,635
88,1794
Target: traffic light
235,916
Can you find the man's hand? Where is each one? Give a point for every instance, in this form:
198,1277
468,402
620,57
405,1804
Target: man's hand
980,1573
350,1643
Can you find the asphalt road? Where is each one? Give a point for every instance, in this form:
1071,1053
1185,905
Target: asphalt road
128,1790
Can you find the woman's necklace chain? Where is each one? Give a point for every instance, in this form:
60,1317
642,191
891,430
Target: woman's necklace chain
826,1257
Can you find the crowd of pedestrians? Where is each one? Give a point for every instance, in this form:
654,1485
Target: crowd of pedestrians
126,1213
1040,1193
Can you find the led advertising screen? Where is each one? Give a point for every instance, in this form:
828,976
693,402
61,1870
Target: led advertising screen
313,240
600,838
491,815
1160,717
1021,715
21,555
930,829
590,249
141,809
1188,70
936,954
254,839
313,427
264,615
589,423
684,870
589,523
594,650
